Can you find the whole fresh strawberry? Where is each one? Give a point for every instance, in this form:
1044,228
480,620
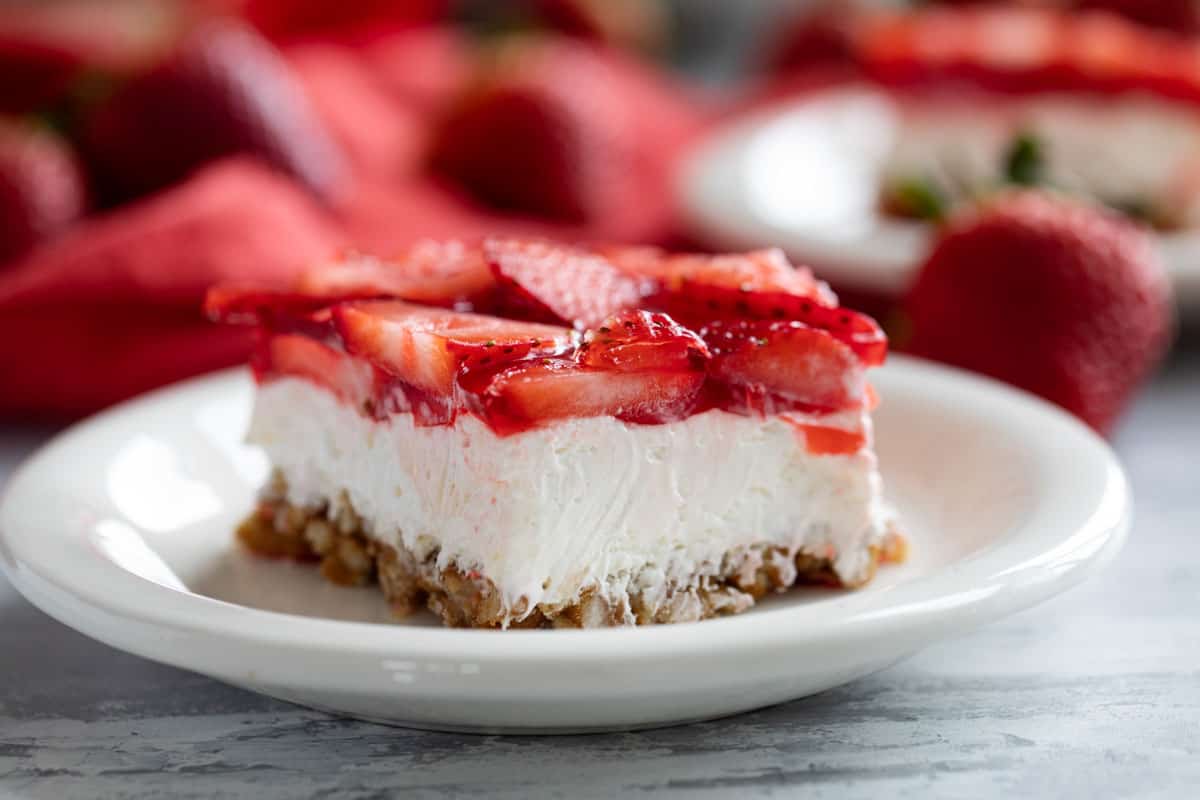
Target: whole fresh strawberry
225,90
1065,300
548,133
820,35
41,188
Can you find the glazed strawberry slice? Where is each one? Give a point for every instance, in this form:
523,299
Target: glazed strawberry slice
637,366
758,285
541,391
430,348
244,304
42,189
789,361
641,340
756,271
861,333
558,283
449,273
300,356
225,90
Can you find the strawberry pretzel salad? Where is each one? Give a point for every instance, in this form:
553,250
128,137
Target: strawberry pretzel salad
522,434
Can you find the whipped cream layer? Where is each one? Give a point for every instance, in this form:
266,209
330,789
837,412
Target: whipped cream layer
592,503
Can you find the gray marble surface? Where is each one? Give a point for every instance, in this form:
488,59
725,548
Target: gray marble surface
1094,694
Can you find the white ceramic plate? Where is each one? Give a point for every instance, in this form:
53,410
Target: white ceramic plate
121,528
806,177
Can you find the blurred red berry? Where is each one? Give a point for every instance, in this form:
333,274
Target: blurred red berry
628,23
327,19
46,47
816,37
381,137
1065,300
573,133
548,134
1181,16
41,187
226,90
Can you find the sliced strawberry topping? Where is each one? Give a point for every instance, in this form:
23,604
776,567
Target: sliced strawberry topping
758,285
249,305
756,336
767,361
700,304
447,274
640,340
541,391
351,379
557,283
756,271
860,332
430,348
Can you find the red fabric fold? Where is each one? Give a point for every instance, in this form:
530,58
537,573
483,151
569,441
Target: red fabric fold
113,308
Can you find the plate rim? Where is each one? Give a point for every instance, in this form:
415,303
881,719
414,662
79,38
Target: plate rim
983,586
717,161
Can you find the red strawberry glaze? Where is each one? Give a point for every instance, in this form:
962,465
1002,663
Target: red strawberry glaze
747,334
553,283
770,367
386,358
762,284
451,274
530,394
643,340
353,380
822,440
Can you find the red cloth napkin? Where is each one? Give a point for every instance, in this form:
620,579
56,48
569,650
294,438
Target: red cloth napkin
113,308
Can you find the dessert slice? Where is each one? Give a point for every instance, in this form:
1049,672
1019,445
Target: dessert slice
644,438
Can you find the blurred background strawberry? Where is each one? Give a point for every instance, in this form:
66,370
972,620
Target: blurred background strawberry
224,90
46,48
1180,16
42,190
287,20
1068,301
566,131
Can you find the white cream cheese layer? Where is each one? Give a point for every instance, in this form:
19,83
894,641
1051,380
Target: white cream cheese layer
584,503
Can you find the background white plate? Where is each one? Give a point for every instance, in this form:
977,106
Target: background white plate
121,528
806,177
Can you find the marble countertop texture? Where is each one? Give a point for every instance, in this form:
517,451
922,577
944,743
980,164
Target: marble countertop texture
1095,694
